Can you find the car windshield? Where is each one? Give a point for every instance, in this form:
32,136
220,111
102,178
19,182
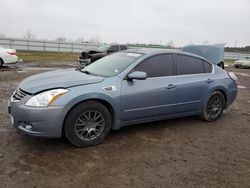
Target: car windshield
103,48
112,65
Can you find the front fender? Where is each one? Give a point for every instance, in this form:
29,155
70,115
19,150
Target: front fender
80,94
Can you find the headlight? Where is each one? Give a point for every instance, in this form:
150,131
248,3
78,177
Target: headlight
46,98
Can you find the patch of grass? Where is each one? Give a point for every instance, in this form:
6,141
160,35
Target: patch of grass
60,56
229,61
47,56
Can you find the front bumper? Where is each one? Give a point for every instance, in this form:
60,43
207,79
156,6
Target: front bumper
11,59
84,61
240,65
39,122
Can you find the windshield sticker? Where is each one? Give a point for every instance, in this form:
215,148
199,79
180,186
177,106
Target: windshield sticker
134,55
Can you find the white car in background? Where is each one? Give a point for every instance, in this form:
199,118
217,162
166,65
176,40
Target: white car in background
242,63
7,56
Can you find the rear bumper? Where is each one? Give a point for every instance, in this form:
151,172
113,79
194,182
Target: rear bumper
38,122
232,94
10,59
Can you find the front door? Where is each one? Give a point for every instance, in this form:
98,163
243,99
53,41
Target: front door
154,96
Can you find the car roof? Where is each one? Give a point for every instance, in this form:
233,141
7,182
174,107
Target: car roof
155,51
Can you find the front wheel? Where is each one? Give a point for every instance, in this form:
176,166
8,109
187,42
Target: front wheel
214,106
87,124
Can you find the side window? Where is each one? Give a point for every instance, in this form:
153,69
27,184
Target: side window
189,65
207,67
157,66
114,48
123,47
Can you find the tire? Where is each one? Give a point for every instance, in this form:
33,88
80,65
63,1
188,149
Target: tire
81,126
1,62
214,106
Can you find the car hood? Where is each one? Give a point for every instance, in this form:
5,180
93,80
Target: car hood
213,53
242,61
57,79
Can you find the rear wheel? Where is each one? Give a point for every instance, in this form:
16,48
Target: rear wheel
87,124
214,106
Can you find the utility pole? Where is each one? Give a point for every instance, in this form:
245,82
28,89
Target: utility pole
235,44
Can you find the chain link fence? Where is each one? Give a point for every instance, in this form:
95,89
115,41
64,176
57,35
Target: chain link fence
45,45
53,46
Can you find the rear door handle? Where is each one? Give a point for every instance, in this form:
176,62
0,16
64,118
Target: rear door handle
209,80
170,86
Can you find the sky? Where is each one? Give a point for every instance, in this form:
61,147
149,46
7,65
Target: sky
180,22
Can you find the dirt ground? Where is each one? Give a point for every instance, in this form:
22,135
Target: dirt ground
185,152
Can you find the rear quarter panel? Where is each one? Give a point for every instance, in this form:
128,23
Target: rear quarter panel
222,82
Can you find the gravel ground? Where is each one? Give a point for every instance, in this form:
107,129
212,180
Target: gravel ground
185,152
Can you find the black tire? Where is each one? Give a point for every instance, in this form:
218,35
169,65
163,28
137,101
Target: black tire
214,106
1,62
85,116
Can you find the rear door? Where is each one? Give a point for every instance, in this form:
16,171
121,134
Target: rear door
194,78
154,96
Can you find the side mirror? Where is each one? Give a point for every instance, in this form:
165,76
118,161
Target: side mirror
137,75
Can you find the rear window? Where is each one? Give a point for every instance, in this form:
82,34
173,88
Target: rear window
114,48
123,47
191,65
207,67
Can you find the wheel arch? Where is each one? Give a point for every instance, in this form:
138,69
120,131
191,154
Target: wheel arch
223,93
98,100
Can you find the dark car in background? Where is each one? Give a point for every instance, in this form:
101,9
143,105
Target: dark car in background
88,57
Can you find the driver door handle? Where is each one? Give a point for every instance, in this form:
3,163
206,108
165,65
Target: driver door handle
209,80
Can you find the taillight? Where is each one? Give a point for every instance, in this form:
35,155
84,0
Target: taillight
232,76
11,52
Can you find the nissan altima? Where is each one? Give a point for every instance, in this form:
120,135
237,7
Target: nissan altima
128,87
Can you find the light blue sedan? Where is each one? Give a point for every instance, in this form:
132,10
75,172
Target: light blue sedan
124,88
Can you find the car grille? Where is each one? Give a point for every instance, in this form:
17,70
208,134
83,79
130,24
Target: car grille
19,94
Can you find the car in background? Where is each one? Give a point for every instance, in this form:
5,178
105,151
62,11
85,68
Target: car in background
124,88
242,63
7,56
214,53
90,56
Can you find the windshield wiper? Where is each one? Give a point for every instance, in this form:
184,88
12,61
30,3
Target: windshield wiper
91,73
86,72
